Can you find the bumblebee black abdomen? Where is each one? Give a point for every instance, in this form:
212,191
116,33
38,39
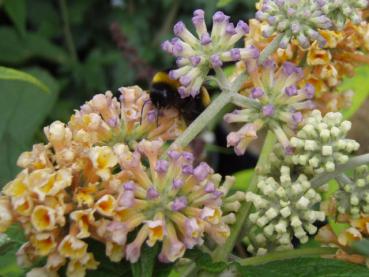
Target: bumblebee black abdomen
191,108
163,95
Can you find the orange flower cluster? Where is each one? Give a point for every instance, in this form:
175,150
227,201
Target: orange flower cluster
324,67
63,194
358,230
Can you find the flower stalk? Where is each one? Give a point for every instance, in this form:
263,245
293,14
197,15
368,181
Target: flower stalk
222,252
354,162
288,254
270,49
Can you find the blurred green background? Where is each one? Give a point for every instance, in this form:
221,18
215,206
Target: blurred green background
80,48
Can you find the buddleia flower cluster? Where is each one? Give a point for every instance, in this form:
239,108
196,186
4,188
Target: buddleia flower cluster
209,50
284,209
321,143
274,102
325,65
294,19
353,196
106,119
59,192
99,178
302,20
170,200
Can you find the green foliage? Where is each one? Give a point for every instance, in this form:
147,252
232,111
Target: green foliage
361,247
106,267
16,50
204,261
305,267
8,263
16,10
360,85
145,265
223,3
22,111
243,179
12,74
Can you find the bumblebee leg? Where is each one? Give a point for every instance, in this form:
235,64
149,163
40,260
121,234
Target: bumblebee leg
142,110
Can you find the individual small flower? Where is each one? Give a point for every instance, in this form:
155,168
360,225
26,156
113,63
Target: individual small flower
209,50
38,158
103,160
274,102
284,208
171,201
83,219
342,11
78,267
298,20
44,243
321,144
43,218
73,248
353,195
6,215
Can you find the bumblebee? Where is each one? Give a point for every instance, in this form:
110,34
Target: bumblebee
164,94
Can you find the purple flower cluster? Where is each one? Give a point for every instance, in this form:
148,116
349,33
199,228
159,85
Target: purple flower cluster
170,201
274,101
196,55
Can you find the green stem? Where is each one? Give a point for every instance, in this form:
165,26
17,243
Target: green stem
288,254
270,49
203,119
170,17
222,252
351,164
343,179
67,32
190,270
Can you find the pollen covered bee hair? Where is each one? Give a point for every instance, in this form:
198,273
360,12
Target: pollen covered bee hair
164,94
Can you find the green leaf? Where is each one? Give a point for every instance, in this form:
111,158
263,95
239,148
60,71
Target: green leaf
16,50
145,265
223,3
106,266
306,267
7,73
361,247
205,262
23,109
16,10
337,227
360,86
243,179
8,262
